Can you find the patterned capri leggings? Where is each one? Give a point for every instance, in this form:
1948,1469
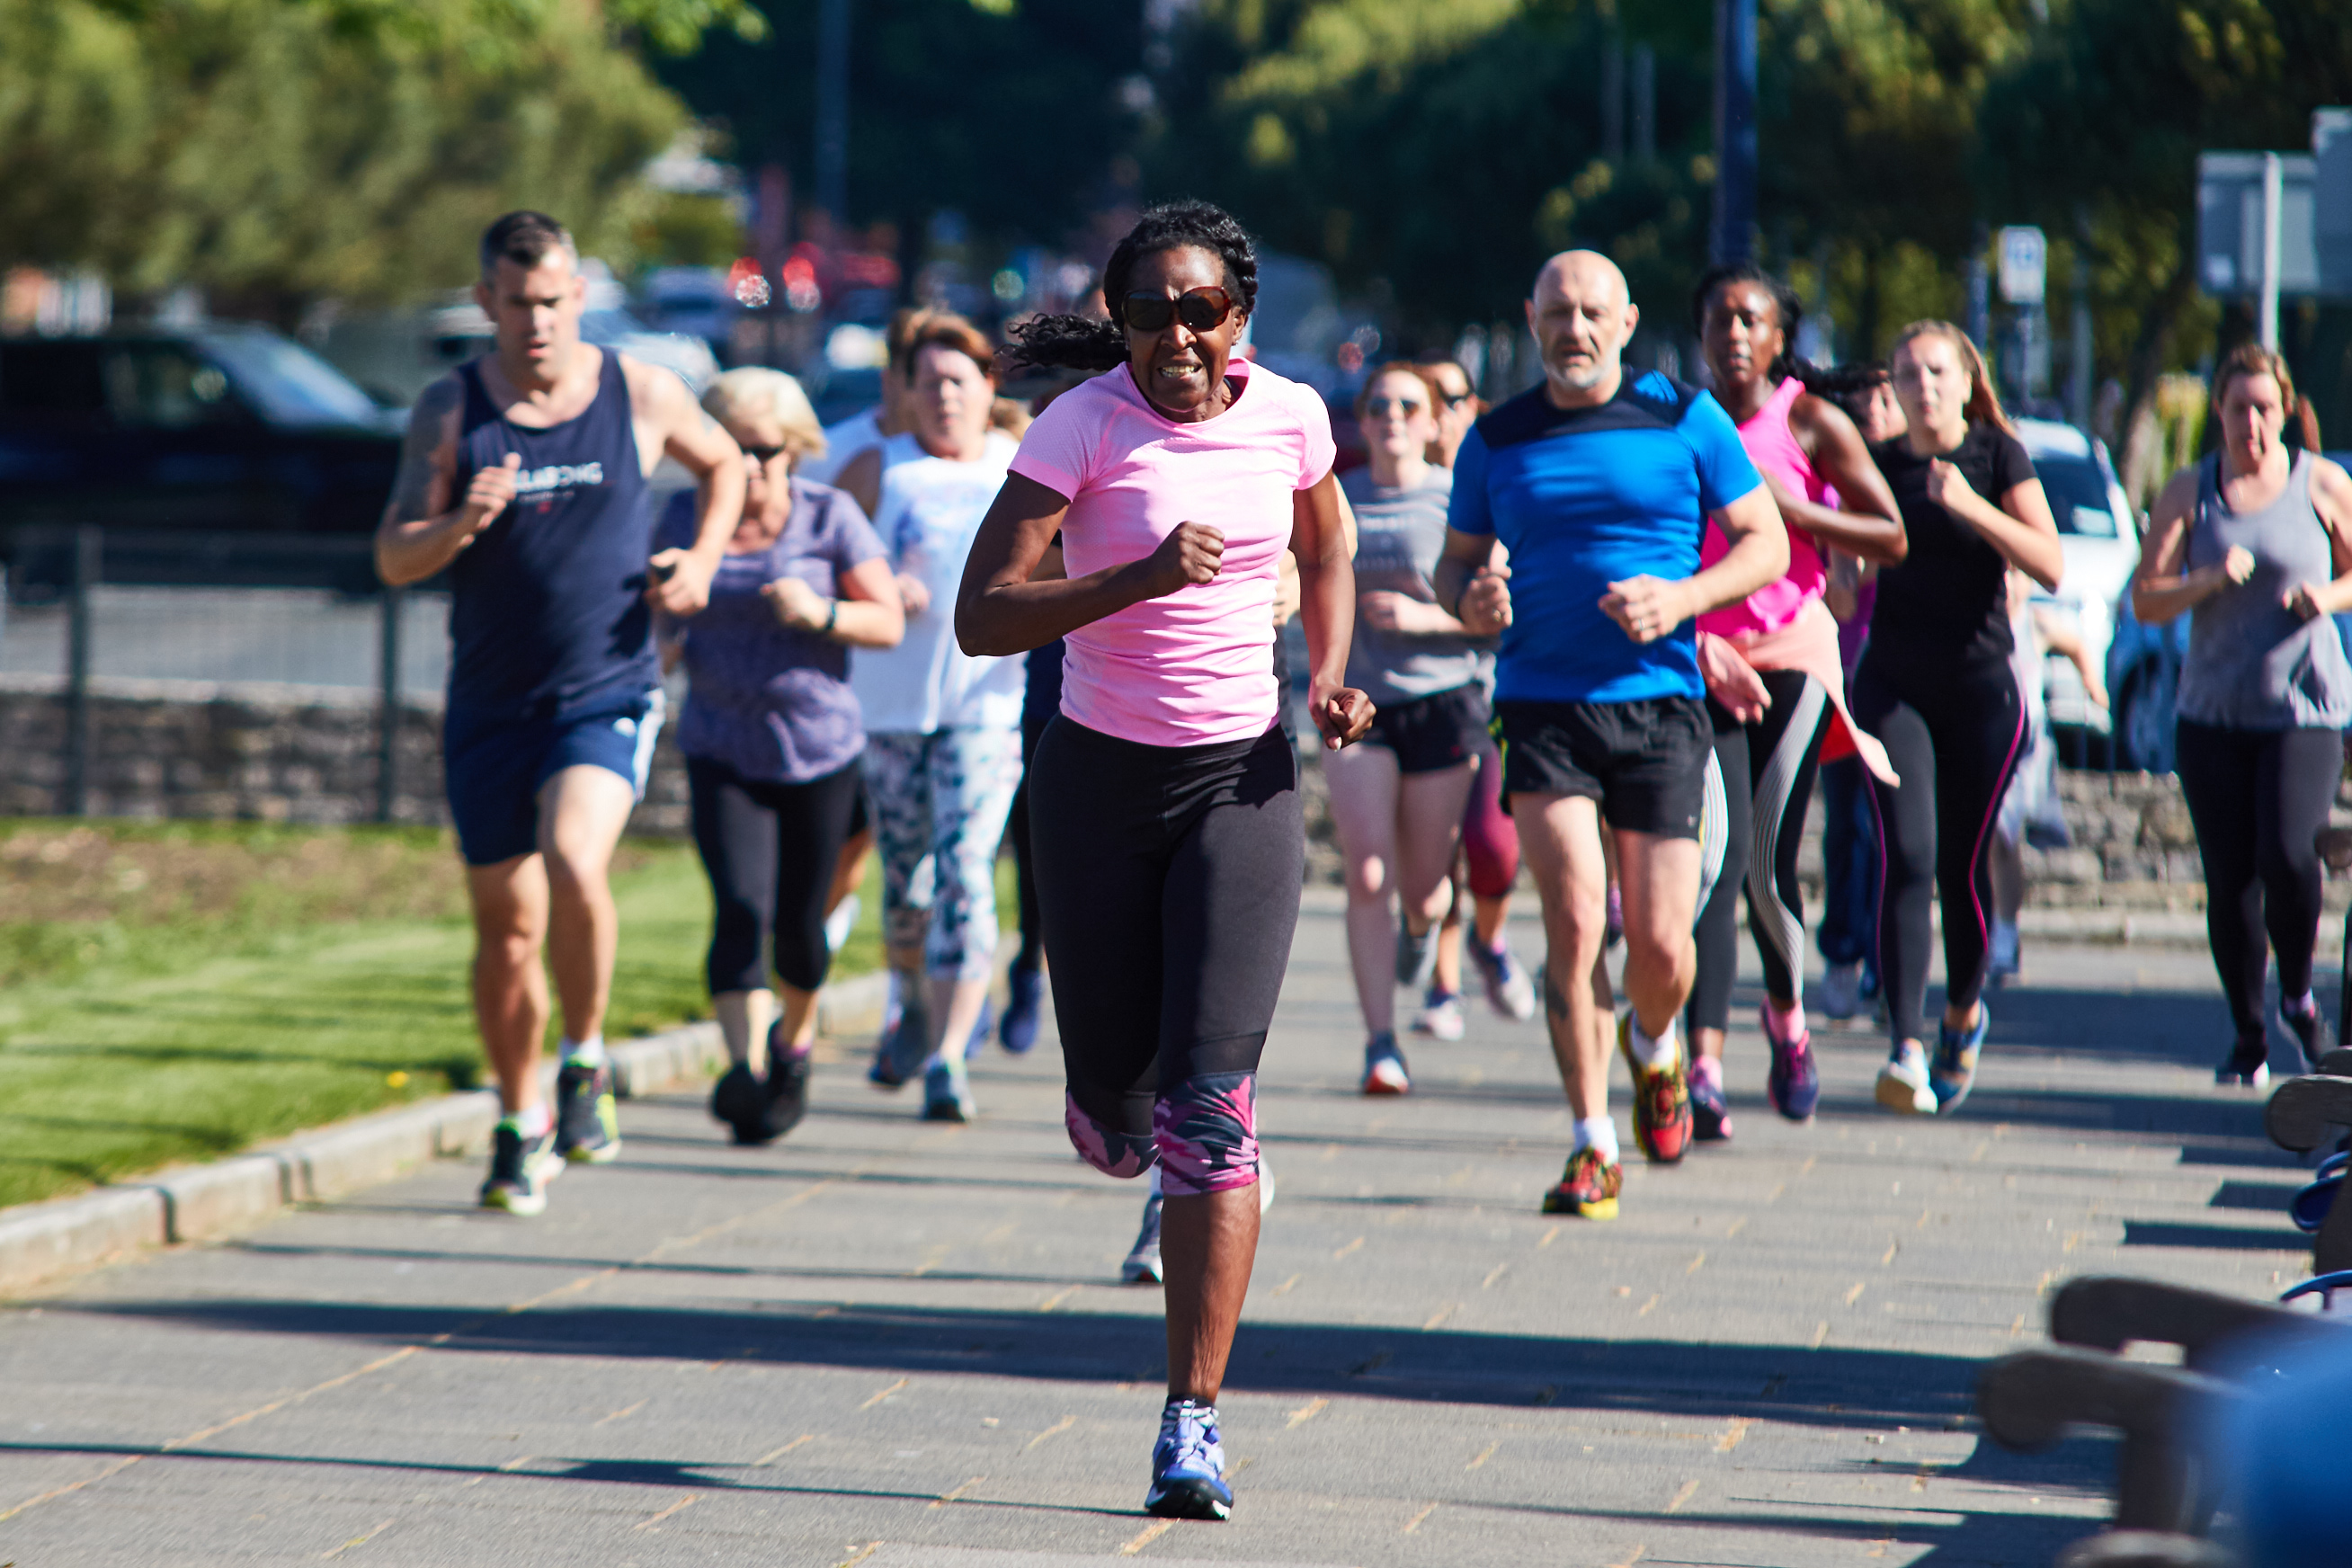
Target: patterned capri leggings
942,798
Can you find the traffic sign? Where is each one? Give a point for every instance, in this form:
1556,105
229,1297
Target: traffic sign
2024,264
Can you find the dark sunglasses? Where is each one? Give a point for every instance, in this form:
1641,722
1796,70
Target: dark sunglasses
1198,309
764,455
1455,399
1405,405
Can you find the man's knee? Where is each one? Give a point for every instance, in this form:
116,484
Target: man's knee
1206,1131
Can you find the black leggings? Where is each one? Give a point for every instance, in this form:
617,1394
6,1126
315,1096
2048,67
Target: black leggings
1778,755
1024,856
770,852
1169,879
2259,799
1954,735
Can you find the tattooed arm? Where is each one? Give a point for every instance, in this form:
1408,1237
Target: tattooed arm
422,529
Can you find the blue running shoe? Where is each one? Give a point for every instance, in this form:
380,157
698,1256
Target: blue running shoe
1188,1465
1025,995
1953,1070
905,1038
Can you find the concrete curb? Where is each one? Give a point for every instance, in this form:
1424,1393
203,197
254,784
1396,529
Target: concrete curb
39,1242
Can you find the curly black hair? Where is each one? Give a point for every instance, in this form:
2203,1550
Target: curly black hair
1083,342
1785,304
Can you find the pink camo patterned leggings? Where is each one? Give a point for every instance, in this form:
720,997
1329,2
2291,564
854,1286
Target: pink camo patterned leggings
1168,877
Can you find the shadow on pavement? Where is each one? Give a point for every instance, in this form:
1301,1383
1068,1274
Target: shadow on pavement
1830,1387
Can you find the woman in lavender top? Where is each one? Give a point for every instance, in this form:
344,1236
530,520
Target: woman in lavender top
772,734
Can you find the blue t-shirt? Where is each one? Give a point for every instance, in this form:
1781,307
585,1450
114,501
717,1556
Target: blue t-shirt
771,702
1586,497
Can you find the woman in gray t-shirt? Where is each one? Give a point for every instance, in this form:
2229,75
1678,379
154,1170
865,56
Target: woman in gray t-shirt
772,735
1397,798
2258,542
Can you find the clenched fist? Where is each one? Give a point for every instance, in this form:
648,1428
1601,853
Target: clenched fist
1191,554
489,495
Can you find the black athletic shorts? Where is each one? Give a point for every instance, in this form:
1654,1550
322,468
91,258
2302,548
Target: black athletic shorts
1644,761
1432,734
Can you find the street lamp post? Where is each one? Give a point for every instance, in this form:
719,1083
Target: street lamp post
1735,129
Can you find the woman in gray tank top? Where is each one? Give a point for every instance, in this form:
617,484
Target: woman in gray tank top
2258,542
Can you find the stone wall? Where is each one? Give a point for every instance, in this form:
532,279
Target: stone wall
247,753
309,754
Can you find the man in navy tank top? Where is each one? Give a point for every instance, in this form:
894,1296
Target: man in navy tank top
524,477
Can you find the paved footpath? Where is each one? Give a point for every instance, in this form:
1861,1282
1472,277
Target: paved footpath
895,1344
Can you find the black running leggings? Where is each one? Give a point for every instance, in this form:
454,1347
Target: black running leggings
1168,880
1954,735
770,852
2259,798
1778,755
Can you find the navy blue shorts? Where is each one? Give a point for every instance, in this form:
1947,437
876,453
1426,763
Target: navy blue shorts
496,766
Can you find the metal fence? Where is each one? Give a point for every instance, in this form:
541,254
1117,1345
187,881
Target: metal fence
91,613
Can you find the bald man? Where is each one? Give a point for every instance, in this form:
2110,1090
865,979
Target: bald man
1600,486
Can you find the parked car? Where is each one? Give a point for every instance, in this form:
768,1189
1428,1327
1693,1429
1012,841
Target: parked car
694,302
2100,537
216,428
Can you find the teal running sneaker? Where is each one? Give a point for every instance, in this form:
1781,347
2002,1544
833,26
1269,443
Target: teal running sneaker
1953,1070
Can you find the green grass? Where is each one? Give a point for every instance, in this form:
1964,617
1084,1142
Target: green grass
174,992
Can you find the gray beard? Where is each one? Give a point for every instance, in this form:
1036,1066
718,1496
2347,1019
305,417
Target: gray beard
1578,380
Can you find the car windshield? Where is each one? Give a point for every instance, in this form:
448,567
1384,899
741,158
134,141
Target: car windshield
286,384
2079,497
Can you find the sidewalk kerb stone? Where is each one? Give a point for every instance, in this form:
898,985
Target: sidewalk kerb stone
223,1197
40,1241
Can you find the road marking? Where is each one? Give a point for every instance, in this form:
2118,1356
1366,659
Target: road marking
860,1556
1821,1333
1982,1145
1645,1307
1484,1454
1640,1552
773,1455
886,1394
1147,1535
2018,1327
1696,1264
1808,1165
1348,1249
999,1233
1681,1496
1774,1195
1058,1427
1855,1294
1548,1237
1440,1316
1307,1412
1888,1256
517,1463
1737,1226
681,1505
1739,1430
1058,1298
1283,1289
948,1496
1923,1220
1415,1522
1492,1275
617,1415
356,1541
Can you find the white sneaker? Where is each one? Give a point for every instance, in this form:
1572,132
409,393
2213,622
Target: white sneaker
1440,1016
1841,991
1142,1265
1902,1084
838,923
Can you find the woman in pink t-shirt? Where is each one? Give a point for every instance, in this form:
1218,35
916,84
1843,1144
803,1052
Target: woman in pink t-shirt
1776,689
1163,800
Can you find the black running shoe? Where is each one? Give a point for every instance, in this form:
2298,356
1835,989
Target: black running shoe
587,1119
785,1099
2312,1033
737,1100
520,1169
2248,1063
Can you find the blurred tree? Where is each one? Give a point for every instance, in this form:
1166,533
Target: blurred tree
1016,114
2109,111
1444,148
277,151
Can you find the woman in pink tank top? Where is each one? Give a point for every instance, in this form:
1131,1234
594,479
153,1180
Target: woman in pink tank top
1776,689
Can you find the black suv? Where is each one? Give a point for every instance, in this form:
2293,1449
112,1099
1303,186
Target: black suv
218,428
